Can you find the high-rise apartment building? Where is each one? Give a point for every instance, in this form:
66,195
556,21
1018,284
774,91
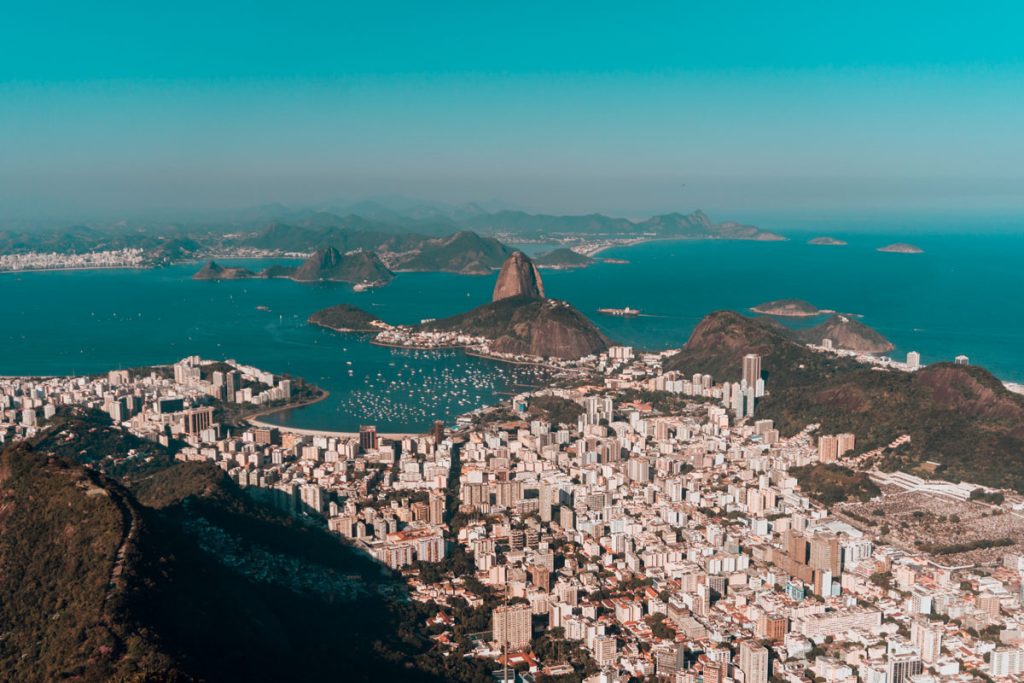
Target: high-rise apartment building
510,626
754,662
751,369
828,448
928,640
902,667
367,437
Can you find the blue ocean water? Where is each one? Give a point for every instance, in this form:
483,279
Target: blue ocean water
962,295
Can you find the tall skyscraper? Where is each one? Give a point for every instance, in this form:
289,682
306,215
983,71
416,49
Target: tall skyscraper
232,382
913,360
751,369
754,662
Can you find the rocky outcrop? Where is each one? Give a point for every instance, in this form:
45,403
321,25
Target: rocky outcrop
355,266
215,271
791,308
563,258
464,252
518,278
529,326
845,333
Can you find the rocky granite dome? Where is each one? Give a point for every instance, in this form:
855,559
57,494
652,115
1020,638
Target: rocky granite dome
518,278
529,326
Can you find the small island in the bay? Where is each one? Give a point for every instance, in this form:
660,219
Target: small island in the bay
563,259
345,318
359,267
901,248
790,308
330,265
827,241
215,271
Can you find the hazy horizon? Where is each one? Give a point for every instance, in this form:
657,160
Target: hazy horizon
576,109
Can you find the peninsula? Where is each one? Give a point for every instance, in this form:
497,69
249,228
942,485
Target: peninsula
345,318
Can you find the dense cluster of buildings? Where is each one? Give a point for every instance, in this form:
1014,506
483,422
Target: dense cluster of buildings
676,545
682,547
119,258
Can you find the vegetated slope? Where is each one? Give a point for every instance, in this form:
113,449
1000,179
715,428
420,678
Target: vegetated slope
786,307
464,252
68,548
346,234
563,258
186,577
344,318
526,223
698,225
959,416
526,325
830,483
461,252
214,271
695,225
845,333
330,264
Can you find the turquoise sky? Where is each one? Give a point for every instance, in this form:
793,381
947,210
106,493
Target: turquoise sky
552,106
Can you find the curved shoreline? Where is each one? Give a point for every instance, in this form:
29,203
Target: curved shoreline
324,395
340,330
645,240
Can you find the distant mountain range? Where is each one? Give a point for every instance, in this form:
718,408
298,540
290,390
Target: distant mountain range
420,235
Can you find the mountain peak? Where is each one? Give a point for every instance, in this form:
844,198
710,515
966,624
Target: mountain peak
518,277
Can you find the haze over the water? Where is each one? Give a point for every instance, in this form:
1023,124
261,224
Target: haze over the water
557,107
